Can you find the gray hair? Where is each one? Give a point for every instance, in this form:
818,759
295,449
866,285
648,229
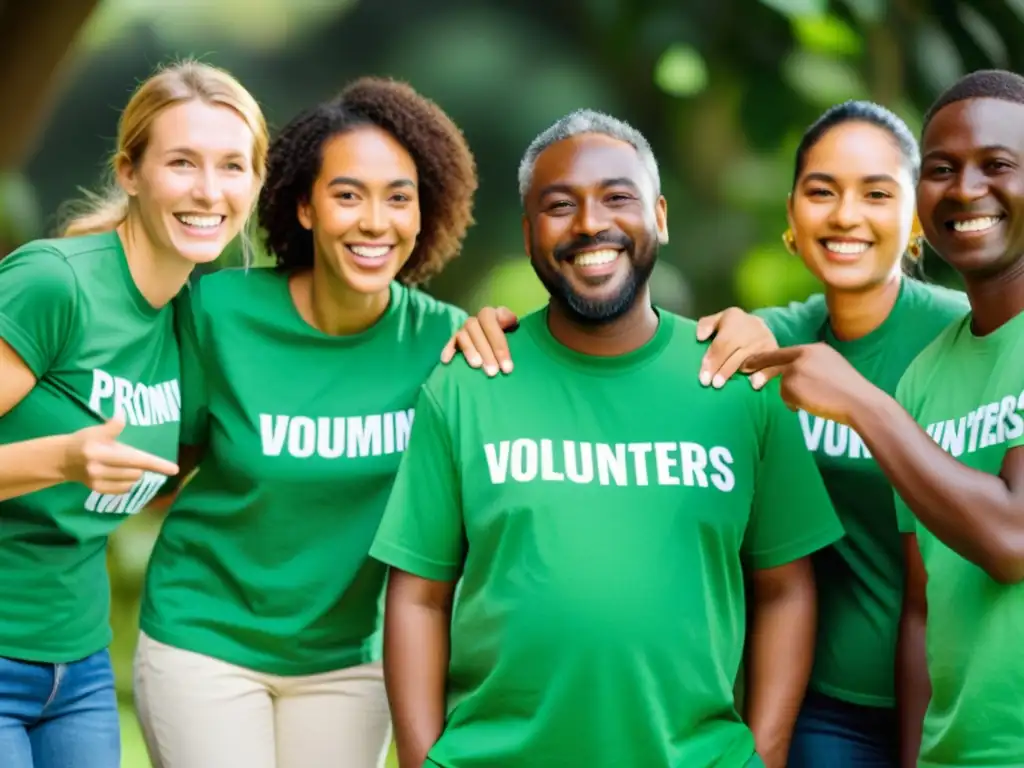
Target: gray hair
587,121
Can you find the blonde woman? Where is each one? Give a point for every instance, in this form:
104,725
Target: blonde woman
90,403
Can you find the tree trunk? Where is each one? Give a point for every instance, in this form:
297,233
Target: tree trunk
36,37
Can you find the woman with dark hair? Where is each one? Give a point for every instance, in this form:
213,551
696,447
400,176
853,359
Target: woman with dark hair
261,613
852,223
951,442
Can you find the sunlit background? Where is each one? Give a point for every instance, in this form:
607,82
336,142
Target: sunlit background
722,88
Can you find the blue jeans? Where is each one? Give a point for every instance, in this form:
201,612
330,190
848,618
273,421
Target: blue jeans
59,715
831,733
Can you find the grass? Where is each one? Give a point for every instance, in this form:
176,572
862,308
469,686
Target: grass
133,748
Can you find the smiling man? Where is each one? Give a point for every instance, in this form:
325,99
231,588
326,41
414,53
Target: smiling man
600,507
954,451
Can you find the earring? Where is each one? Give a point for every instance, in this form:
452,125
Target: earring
915,248
789,241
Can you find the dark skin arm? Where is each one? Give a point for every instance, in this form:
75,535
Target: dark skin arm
913,687
978,515
417,617
780,655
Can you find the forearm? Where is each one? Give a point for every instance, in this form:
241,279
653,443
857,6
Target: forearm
779,663
416,643
913,687
974,513
31,465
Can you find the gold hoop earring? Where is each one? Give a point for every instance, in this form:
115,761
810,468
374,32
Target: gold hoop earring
915,248
789,241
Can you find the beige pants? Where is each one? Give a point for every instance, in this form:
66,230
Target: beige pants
200,712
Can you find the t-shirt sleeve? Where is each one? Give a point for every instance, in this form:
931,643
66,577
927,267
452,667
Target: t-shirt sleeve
796,323
792,515
38,306
422,530
905,520
190,325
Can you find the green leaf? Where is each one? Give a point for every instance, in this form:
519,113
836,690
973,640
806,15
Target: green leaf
754,181
984,33
670,288
795,8
826,34
187,23
681,71
769,276
823,80
938,59
867,11
20,219
511,283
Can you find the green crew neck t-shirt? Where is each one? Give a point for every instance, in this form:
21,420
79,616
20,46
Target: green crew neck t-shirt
263,560
73,313
860,579
599,511
968,393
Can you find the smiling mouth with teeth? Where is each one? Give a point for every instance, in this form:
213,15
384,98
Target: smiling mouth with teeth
595,258
978,224
370,251
199,221
846,247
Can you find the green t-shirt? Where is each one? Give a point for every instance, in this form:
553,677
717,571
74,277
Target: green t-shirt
71,310
600,511
860,579
968,393
263,558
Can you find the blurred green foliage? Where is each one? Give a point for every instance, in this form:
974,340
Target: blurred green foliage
722,88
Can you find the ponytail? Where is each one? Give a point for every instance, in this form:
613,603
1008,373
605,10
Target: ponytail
97,214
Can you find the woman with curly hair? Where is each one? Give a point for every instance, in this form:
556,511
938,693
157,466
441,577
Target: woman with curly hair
261,611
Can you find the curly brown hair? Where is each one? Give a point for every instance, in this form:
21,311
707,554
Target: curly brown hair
444,163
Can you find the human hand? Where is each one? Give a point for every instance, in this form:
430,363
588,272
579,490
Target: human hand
95,458
481,340
737,336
